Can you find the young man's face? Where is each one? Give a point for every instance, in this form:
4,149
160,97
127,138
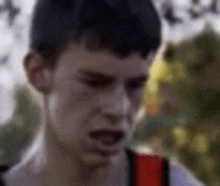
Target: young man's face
94,94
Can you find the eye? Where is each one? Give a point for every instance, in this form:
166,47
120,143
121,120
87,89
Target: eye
97,83
136,84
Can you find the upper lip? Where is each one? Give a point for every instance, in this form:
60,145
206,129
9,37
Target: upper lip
117,134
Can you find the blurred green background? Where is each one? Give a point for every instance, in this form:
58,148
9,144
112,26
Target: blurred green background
182,99
184,123
181,105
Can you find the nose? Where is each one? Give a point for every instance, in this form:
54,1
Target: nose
116,105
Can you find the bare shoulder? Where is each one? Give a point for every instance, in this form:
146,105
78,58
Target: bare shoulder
181,176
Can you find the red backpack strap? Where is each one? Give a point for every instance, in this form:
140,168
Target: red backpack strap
150,170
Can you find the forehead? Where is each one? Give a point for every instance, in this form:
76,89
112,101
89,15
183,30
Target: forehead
77,57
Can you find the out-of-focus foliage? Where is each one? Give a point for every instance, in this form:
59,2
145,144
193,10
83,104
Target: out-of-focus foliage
195,10
199,97
16,135
198,59
158,72
194,68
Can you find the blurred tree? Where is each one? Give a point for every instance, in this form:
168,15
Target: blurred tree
195,68
13,11
214,7
21,129
168,12
186,80
172,11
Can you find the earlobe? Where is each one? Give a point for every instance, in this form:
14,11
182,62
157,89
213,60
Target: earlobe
37,73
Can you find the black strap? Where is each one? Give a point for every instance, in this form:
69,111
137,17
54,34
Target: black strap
131,154
3,169
165,172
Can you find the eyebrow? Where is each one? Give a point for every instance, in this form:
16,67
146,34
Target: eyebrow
94,74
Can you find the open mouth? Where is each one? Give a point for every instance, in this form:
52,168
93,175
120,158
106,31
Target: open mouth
106,137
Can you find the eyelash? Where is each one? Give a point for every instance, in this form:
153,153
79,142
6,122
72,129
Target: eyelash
132,86
98,83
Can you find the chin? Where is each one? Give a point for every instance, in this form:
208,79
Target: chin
97,161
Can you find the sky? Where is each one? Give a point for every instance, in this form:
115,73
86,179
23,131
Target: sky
14,42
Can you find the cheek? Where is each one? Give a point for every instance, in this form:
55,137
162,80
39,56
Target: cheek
70,108
136,104
137,98
57,113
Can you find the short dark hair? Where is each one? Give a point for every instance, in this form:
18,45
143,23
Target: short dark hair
122,26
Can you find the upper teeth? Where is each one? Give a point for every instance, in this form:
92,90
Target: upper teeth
108,139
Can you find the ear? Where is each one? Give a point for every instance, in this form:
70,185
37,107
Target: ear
40,76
